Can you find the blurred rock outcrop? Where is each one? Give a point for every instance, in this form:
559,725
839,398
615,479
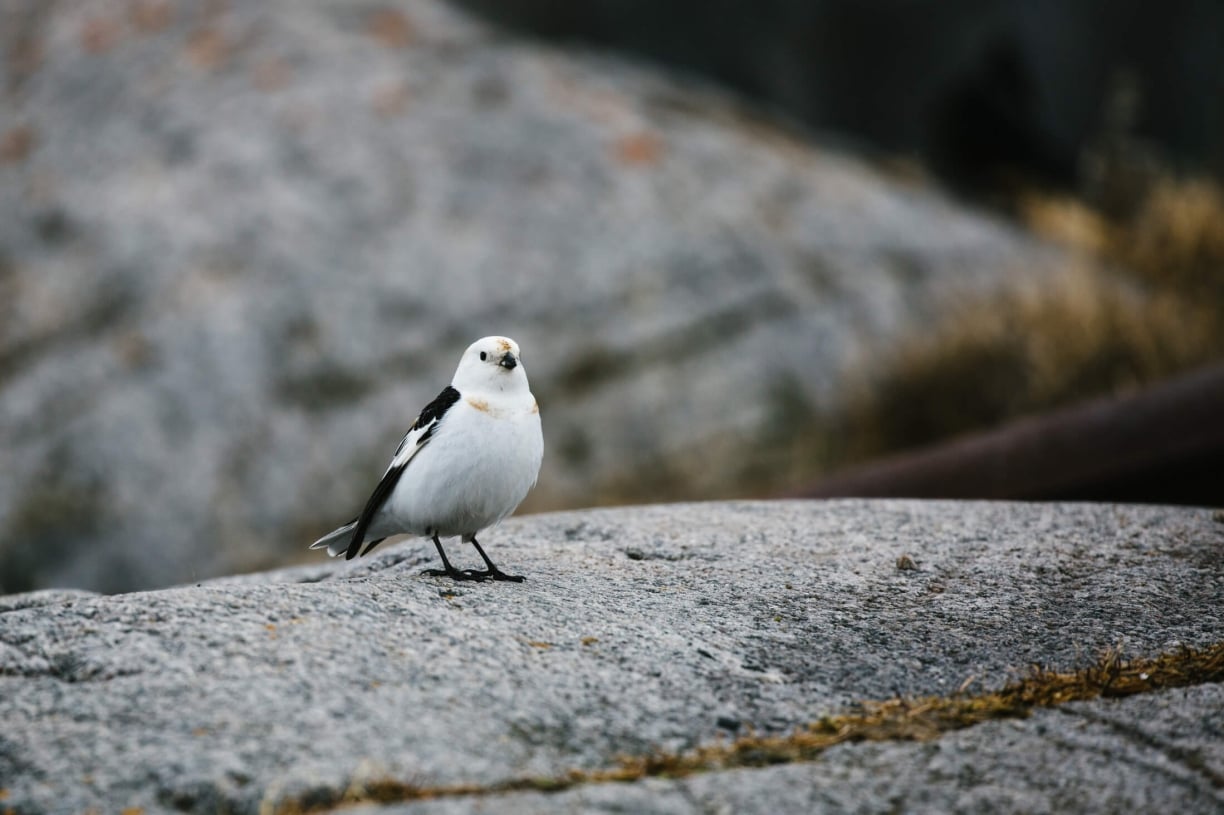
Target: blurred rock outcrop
244,244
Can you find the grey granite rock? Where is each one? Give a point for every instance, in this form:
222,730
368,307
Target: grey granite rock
659,627
245,243
1157,753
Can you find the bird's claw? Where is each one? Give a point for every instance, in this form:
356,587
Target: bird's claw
495,574
474,575
455,574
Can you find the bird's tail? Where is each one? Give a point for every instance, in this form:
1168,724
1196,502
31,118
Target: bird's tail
336,541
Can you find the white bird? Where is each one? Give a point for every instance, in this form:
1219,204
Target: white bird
468,461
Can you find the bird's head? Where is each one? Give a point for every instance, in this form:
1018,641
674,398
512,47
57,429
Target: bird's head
491,363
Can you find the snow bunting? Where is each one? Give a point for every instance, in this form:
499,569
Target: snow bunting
469,460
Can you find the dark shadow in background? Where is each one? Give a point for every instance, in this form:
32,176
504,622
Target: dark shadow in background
978,89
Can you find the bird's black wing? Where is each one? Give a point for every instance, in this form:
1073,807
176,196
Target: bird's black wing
417,437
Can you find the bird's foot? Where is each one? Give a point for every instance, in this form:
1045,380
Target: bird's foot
495,574
455,574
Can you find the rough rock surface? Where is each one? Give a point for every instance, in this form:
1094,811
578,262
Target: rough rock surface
245,243
648,628
1158,753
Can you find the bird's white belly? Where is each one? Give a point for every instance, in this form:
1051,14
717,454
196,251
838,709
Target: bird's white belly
463,482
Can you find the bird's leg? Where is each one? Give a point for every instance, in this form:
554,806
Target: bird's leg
493,573
450,571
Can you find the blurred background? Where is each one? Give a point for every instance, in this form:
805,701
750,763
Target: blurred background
750,249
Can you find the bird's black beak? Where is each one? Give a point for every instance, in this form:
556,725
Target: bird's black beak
508,362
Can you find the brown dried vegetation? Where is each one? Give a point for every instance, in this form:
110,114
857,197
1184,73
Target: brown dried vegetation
1052,344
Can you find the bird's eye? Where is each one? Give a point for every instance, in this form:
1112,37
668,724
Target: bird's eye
483,356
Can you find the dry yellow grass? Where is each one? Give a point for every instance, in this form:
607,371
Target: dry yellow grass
1026,351
1172,239
1145,303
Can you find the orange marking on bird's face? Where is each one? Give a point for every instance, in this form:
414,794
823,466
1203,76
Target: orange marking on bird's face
479,404
504,345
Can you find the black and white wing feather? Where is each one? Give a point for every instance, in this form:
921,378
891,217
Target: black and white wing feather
414,441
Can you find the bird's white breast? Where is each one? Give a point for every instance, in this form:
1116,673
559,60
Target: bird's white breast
477,467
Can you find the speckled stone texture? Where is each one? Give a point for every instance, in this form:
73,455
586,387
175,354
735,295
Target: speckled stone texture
638,628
